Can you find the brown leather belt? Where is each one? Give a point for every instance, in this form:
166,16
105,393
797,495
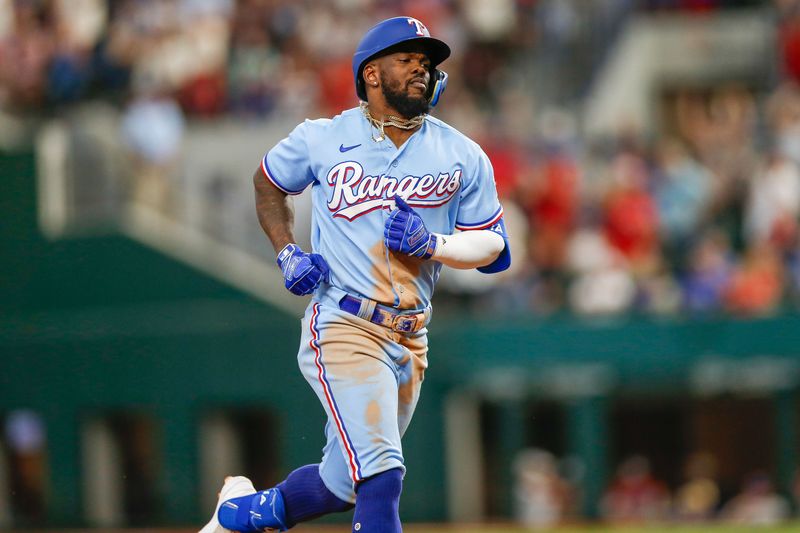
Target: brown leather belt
394,319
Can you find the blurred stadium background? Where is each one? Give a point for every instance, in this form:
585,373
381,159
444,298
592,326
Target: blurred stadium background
640,364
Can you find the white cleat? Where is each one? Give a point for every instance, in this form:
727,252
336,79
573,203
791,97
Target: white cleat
234,487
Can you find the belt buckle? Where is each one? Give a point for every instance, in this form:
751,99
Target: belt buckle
405,323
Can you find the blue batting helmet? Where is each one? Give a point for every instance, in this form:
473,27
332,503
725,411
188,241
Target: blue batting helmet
391,32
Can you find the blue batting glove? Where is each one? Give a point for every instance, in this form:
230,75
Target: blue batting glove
302,272
405,232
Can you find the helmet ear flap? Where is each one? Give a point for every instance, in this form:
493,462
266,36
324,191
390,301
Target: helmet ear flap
437,86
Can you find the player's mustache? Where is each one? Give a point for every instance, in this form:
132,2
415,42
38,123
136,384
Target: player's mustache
416,79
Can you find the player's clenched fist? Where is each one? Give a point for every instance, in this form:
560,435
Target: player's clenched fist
406,232
302,272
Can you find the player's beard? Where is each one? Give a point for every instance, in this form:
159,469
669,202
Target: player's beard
407,106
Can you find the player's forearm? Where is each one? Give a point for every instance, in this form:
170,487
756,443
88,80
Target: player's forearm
468,249
275,213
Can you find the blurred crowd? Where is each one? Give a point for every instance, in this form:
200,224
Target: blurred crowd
700,221
701,218
251,58
546,494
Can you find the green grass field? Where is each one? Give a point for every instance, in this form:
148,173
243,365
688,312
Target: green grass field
793,527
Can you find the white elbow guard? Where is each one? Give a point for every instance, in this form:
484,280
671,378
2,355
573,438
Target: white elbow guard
503,260
488,247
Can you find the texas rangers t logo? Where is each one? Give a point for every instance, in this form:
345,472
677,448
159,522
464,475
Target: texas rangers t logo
421,29
355,194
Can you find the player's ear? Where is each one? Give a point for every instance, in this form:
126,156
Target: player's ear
370,74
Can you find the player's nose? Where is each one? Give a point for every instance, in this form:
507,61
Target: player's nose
420,69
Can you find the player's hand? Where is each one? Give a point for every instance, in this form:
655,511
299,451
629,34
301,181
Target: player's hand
405,232
302,272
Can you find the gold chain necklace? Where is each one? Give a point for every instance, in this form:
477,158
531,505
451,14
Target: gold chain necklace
390,120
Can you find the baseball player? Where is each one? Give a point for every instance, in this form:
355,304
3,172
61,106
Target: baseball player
390,187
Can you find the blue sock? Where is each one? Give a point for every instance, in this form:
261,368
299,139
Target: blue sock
306,497
378,503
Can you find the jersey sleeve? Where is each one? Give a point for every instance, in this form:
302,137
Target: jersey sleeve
288,165
479,207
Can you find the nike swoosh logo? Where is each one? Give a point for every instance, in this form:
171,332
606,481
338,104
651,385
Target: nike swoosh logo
343,148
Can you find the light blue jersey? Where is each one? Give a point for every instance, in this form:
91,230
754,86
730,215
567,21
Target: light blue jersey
442,174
